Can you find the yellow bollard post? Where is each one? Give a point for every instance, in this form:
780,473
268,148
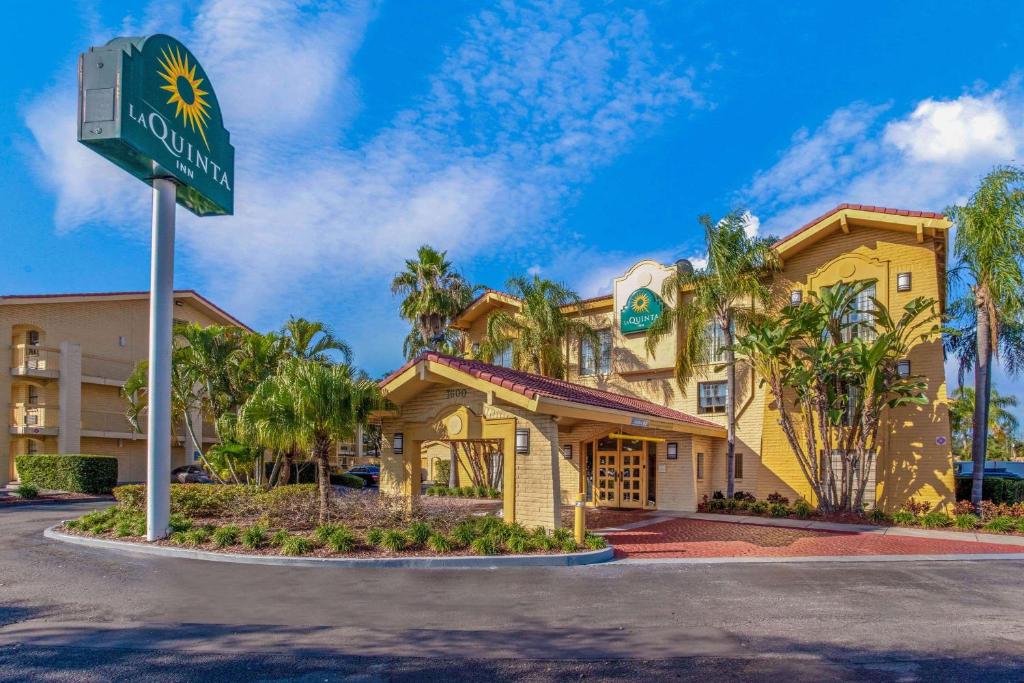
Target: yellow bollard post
580,526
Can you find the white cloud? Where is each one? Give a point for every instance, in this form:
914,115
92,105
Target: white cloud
753,224
526,106
951,131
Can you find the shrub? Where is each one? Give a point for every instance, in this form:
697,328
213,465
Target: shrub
196,537
996,490
802,508
759,507
777,498
346,479
963,507
594,542
394,540
296,545
342,540
466,491
561,535
226,535
778,510
75,473
916,508
374,536
935,520
442,471
439,543
178,522
904,518
743,495
876,515
518,543
716,505
199,500
27,491
569,545
279,538
485,545
493,493
742,505
418,532
545,542
292,505
254,537
966,520
1001,525
480,491
325,531
98,521
717,495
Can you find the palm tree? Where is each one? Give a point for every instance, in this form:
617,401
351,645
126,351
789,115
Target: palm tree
311,405
433,293
312,340
989,246
961,416
538,332
706,304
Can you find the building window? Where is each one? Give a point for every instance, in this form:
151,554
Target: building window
903,368
700,465
33,395
737,466
597,360
711,397
716,342
32,338
860,322
32,447
503,357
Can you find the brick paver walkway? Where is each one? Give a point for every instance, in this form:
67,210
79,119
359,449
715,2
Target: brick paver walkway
691,538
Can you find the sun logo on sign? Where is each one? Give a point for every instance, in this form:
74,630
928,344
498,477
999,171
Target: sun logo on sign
186,95
641,303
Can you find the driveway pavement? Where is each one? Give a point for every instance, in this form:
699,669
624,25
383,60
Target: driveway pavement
73,613
697,538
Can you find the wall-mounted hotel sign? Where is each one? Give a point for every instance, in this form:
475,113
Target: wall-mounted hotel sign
641,310
147,105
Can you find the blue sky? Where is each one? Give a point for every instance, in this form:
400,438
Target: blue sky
569,139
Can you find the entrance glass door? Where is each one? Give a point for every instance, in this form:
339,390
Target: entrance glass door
606,477
620,470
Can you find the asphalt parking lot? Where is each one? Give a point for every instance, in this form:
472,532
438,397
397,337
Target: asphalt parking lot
82,614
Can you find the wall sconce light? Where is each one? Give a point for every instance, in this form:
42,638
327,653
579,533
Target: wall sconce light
672,450
567,451
522,441
903,368
796,297
398,443
903,282
476,348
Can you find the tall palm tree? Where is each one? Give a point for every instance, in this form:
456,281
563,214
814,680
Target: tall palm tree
312,405
708,303
989,247
538,332
312,340
433,293
961,415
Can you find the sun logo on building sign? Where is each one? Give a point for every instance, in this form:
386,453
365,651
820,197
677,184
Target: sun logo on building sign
186,95
641,303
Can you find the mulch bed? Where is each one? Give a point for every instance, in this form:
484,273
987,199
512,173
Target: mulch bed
53,497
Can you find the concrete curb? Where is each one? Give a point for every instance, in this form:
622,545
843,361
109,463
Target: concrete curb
455,562
962,536
962,557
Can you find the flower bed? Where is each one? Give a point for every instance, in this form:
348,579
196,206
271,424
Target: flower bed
995,518
241,519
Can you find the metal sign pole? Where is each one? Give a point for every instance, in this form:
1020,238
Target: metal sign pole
161,310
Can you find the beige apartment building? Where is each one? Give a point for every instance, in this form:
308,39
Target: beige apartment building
619,429
68,357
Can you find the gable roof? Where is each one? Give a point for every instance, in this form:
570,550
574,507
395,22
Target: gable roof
539,387
191,294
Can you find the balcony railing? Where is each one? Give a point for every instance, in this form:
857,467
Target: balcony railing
32,359
111,422
34,418
106,368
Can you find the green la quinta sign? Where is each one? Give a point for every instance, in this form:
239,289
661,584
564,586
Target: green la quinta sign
641,310
147,105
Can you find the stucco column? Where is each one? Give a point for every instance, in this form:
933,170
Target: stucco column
537,480
69,435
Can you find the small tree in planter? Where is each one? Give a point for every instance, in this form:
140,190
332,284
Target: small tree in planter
832,366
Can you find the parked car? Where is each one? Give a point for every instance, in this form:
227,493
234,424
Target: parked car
368,473
190,474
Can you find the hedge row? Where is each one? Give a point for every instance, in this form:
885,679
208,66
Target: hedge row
998,491
75,473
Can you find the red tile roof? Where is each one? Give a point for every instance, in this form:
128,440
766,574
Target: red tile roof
533,386
860,207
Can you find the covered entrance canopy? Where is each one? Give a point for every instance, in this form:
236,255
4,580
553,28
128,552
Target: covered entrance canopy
555,438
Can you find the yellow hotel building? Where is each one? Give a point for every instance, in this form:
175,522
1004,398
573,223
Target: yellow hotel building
68,356
620,431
